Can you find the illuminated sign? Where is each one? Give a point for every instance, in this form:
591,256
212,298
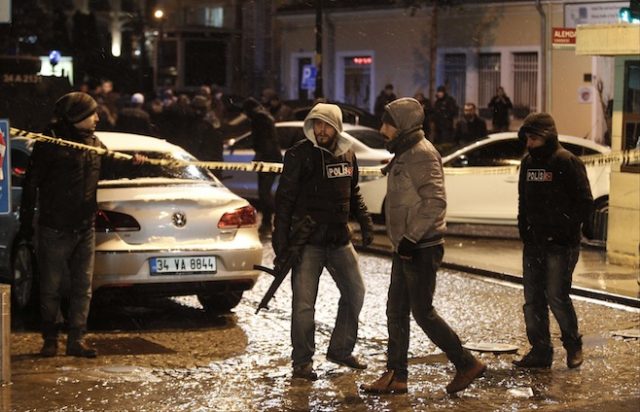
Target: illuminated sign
362,60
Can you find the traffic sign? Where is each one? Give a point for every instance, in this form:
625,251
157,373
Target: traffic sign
308,79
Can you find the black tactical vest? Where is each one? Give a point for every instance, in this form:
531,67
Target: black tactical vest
326,191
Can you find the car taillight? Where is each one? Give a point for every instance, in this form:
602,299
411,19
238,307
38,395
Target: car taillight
244,216
109,221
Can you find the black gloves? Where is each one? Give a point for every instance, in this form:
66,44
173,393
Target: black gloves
405,248
588,230
367,236
26,232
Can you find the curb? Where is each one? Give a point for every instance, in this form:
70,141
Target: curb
575,290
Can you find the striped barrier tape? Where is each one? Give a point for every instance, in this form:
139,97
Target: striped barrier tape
615,157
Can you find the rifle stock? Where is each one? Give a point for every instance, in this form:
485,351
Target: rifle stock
298,239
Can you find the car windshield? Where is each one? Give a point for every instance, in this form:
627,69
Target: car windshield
126,170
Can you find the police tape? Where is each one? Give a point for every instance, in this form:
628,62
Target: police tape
622,157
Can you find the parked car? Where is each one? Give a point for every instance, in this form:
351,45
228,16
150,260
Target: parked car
476,196
160,231
350,114
245,184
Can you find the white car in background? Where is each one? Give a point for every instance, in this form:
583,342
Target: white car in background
367,144
160,231
477,195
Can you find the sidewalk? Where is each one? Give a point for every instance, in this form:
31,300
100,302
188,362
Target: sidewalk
498,254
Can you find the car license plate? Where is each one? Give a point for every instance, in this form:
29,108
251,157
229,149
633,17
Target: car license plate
182,265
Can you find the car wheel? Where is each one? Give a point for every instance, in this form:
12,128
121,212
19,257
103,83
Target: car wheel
24,291
220,302
601,219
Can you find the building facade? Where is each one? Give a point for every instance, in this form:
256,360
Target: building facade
480,46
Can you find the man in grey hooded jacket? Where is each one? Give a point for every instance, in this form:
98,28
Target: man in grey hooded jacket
415,215
320,180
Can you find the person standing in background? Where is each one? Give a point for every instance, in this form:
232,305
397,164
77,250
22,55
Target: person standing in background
267,149
386,96
500,105
445,110
471,127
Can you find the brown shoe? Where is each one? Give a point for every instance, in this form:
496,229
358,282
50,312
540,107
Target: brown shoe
574,357
387,383
305,372
464,377
49,348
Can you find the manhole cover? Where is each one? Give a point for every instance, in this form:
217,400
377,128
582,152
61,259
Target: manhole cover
627,333
491,347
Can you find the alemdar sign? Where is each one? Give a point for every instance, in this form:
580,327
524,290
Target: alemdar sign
564,37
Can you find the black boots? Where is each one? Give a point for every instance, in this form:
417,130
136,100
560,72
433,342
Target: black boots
49,348
77,347
536,358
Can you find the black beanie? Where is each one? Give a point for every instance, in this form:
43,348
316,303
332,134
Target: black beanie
75,107
539,124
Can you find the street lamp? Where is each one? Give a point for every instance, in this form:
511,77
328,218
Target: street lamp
158,14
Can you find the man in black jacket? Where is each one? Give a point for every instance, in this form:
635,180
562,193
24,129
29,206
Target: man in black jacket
445,110
471,127
65,182
554,202
267,149
320,180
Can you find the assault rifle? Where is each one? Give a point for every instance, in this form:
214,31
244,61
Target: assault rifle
300,234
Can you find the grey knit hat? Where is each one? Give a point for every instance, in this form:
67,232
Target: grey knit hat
75,107
539,124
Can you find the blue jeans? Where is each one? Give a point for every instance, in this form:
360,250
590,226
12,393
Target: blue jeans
547,275
65,258
342,264
413,283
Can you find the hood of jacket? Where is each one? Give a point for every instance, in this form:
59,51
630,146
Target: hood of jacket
332,115
407,114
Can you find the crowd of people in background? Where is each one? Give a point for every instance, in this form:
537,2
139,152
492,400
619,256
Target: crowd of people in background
201,121
445,126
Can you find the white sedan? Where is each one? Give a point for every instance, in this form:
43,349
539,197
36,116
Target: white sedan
160,230
477,194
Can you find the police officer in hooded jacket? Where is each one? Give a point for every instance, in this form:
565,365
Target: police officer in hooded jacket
554,204
320,180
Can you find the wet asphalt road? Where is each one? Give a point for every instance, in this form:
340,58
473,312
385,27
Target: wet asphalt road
169,355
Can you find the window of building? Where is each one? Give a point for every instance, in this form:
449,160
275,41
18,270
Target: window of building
455,76
489,72
525,83
213,16
357,80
